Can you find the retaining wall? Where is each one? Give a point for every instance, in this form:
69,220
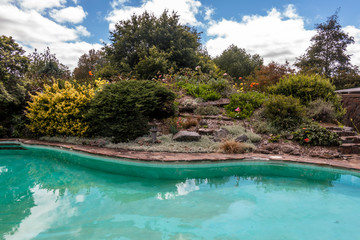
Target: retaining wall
352,104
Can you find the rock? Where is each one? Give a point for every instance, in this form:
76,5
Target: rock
205,131
186,136
242,138
296,152
220,134
287,149
203,122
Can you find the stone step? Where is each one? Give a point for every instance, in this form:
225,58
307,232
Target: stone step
350,139
337,128
350,148
345,133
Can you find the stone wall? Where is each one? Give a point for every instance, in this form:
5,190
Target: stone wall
352,104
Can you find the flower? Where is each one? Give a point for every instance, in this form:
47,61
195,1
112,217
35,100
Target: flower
90,73
225,74
240,78
237,109
306,140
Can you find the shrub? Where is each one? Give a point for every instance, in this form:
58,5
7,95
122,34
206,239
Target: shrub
284,113
321,110
189,122
308,88
203,91
61,111
207,110
233,147
316,135
123,109
242,105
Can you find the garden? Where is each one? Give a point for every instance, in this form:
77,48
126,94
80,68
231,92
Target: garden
233,103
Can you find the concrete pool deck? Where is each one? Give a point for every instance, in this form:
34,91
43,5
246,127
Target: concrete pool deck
353,163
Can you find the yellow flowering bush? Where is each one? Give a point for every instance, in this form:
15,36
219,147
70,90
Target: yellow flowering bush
61,110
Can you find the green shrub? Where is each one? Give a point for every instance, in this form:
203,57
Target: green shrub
123,109
316,135
207,110
321,110
242,105
307,88
203,91
284,113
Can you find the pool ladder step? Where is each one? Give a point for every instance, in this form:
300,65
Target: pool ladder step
11,146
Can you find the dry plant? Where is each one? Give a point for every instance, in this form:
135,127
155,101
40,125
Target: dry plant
233,147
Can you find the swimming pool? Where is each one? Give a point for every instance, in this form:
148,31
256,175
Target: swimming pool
50,193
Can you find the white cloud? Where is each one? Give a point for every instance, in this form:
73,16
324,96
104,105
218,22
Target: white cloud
208,13
278,36
41,5
354,49
32,30
69,14
187,9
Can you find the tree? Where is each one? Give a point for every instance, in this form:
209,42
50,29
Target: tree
327,54
237,62
13,65
45,68
88,64
158,43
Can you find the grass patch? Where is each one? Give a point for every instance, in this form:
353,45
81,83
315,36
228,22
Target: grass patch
237,130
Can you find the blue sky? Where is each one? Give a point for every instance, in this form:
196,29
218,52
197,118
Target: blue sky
278,30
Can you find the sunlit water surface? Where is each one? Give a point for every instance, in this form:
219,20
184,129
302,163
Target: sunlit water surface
46,194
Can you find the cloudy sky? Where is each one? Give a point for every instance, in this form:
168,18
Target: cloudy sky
278,30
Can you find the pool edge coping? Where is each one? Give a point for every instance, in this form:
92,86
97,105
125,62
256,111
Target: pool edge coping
172,157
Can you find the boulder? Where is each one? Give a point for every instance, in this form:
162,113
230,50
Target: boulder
242,138
186,136
220,134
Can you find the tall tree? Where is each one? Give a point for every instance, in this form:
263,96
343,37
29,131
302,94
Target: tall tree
157,43
237,62
327,54
88,65
13,65
45,68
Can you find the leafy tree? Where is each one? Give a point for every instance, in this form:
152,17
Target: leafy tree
13,65
327,54
88,65
157,43
237,62
45,68
269,75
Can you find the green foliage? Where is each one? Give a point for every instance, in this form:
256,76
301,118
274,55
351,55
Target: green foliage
123,109
284,113
44,68
308,88
322,111
315,135
237,62
90,62
207,110
203,91
60,110
160,42
242,105
13,86
327,55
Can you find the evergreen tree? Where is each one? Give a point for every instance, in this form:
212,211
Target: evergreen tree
327,54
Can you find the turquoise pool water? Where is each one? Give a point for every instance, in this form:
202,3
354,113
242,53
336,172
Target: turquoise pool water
55,194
